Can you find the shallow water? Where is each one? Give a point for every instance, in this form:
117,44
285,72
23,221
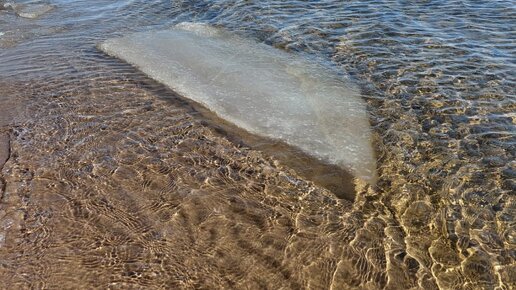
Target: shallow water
113,181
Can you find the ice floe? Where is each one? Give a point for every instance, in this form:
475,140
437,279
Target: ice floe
261,89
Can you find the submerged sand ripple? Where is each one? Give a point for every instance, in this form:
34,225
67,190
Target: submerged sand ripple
111,187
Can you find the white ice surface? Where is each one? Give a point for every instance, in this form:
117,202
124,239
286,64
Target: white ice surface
32,10
261,89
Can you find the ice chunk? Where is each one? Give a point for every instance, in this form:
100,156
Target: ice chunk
261,89
31,10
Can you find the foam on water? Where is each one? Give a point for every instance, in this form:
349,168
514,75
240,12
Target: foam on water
261,89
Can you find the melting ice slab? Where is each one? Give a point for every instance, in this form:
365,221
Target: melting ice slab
29,10
261,89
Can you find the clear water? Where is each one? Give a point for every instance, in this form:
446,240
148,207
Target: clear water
114,182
